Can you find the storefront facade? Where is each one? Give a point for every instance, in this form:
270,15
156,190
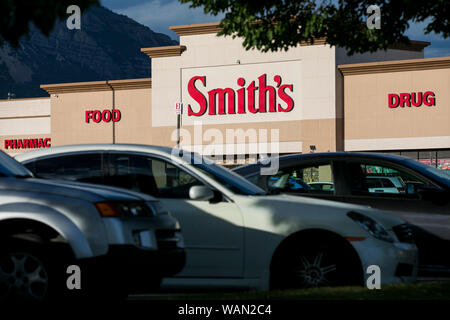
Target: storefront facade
400,107
25,124
239,104
294,97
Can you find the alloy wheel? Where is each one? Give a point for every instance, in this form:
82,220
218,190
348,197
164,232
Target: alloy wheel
23,276
313,272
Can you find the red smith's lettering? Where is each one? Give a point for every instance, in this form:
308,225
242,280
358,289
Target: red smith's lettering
254,98
415,99
28,143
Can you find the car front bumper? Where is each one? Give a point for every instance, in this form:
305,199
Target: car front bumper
398,262
132,267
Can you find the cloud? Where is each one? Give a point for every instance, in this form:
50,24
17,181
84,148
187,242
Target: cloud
439,47
159,15
416,31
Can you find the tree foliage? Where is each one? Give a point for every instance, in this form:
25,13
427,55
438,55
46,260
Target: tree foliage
270,25
16,16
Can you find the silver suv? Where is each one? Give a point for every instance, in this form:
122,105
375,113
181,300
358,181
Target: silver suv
117,238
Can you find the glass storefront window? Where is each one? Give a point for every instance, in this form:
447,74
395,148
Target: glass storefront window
443,160
410,154
439,159
428,157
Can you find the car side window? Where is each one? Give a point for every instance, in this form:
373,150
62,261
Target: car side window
374,179
314,179
253,179
81,167
149,175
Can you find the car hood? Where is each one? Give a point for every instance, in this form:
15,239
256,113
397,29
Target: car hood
289,202
79,190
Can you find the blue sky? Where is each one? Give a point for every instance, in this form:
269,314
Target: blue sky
158,15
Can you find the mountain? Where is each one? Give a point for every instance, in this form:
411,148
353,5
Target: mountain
106,48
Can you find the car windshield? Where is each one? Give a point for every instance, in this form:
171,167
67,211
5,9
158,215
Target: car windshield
440,175
433,173
9,167
227,178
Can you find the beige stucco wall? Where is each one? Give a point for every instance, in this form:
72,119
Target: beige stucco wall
69,112
24,119
135,125
343,58
293,135
371,125
68,118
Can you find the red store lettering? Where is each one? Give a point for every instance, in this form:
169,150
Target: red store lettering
246,97
104,115
28,143
415,99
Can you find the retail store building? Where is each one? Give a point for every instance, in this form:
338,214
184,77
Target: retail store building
312,97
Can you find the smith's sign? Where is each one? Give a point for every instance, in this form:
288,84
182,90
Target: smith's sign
257,96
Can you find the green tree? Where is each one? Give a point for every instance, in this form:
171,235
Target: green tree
16,16
269,25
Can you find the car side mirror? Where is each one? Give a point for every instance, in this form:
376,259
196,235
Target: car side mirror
200,193
432,194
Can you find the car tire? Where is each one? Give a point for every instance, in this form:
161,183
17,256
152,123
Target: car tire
31,272
321,264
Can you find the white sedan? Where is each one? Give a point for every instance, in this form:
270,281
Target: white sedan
236,235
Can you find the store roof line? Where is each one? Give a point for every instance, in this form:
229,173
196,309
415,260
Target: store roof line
97,85
166,51
395,66
20,99
199,28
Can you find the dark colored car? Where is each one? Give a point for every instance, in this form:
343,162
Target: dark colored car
424,200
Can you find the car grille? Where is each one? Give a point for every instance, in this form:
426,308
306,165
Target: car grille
404,233
167,239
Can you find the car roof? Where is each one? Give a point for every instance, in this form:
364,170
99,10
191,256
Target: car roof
440,179
320,182
166,151
292,158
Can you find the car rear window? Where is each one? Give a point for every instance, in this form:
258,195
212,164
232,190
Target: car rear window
86,167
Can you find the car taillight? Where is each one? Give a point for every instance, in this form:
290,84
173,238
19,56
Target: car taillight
401,190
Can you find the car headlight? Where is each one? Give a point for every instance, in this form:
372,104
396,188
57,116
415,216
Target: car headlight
115,209
375,229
